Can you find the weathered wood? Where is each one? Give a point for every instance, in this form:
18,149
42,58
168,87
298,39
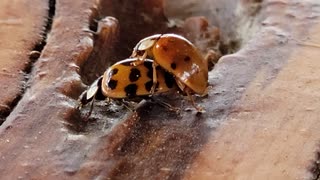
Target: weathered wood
34,138
271,128
22,25
261,120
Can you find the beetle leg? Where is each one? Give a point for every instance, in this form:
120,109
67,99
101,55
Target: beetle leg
180,85
79,105
126,105
198,108
167,105
140,58
90,111
188,92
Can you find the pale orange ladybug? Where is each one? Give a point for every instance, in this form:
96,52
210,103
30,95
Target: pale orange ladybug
178,56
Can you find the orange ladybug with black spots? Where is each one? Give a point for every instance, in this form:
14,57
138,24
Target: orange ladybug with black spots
178,56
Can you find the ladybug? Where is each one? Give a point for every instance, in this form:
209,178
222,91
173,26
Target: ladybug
124,81
178,56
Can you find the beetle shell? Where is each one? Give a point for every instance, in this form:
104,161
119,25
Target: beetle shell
178,56
122,80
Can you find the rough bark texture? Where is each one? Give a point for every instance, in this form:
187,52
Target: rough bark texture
21,30
262,108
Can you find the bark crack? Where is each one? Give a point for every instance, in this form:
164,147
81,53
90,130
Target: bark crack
315,169
33,55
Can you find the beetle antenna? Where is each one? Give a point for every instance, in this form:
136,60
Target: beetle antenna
166,105
126,105
91,109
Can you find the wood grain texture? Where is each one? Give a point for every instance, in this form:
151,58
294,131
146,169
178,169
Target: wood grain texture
33,138
272,129
22,27
262,109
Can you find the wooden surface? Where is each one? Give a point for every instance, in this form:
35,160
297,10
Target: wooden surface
271,130
21,30
262,108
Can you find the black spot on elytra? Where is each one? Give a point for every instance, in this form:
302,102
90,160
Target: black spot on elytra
131,90
173,66
187,59
150,74
114,71
134,75
112,84
169,79
164,48
148,85
148,65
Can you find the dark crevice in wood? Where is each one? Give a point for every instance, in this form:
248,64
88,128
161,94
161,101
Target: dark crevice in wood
34,55
103,47
93,21
39,47
315,168
133,24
